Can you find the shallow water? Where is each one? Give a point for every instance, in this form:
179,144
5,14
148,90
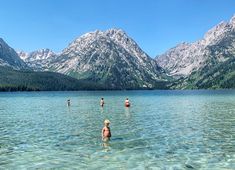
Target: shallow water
161,130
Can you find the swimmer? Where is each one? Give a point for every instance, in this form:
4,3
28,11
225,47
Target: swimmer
106,132
102,102
68,102
127,103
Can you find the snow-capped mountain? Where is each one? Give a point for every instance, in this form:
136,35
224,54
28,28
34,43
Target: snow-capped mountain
38,60
8,57
186,58
110,58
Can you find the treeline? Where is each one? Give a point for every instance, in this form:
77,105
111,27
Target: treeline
8,88
221,76
16,80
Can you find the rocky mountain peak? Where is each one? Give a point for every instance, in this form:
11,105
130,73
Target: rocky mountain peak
185,58
38,60
103,38
41,54
8,56
115,32
109,57
232,21
23,55
217,33
97,35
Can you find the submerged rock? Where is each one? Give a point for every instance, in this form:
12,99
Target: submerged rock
187,165
191,165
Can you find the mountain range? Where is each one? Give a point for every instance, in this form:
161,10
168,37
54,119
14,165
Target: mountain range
109,58
207,63
112,60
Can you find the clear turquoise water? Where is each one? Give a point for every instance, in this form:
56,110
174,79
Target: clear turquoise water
162,130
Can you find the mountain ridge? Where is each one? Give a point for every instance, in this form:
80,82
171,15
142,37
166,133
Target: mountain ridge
113,60
9,57
186,58
110,58
39,59
207,63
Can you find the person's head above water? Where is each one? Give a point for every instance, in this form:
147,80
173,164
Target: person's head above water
106,122
102,98
127,99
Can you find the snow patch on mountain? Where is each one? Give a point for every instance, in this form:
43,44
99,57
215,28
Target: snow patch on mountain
38,60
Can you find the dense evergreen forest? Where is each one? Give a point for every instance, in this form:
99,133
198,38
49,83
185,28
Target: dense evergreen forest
18,80
27,80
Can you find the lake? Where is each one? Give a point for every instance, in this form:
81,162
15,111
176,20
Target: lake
161,130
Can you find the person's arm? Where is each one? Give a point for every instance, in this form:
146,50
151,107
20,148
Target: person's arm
102,133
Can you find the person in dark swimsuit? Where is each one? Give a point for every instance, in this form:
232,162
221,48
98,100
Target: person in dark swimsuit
102,102
68,102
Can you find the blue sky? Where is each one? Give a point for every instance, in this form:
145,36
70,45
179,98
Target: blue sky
156,25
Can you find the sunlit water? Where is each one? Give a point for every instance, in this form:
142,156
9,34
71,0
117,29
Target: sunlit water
161,130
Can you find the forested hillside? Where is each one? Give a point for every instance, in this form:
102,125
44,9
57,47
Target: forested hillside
14,80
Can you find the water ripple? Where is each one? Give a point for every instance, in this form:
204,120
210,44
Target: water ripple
162,130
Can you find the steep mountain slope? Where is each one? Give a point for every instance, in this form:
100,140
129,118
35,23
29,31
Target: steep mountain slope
17,76
208,63
219,72
221,76
8,57
38,60
111,59
186,58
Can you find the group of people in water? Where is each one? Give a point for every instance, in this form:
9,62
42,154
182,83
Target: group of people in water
106,132
127,102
